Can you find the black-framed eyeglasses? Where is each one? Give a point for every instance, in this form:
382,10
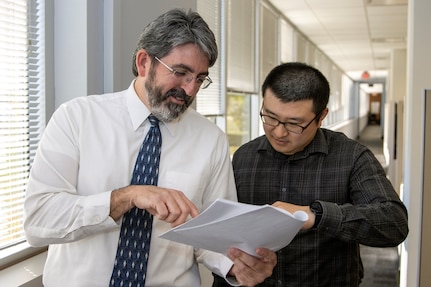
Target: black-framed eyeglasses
290,127
186,76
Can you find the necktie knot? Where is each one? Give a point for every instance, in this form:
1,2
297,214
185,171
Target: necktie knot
153,120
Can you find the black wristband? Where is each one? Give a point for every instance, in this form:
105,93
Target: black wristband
317,209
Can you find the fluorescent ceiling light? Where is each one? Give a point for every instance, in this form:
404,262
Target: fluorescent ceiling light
386,2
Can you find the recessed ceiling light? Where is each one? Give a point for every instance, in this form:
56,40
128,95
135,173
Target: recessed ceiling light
388,40
386,2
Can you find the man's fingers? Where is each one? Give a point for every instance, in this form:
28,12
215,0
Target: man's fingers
189,205
174,207
267,255
250,270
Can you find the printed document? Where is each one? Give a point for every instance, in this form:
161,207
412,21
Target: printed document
225,224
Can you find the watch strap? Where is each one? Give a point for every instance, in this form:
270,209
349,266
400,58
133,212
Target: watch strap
317,209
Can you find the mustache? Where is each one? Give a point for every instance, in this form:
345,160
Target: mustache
178,93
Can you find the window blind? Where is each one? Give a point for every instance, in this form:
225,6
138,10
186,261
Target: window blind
268,41
300,45
286,42
241,45
209,101
21,116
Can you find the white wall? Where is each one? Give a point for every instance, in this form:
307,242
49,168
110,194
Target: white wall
349,128
70,49
398,76
418,78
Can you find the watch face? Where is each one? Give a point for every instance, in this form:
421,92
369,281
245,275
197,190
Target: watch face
316,207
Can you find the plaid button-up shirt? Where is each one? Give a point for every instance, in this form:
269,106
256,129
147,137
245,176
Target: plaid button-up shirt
359,204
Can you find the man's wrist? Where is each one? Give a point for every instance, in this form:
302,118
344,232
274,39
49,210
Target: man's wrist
317,209
120,202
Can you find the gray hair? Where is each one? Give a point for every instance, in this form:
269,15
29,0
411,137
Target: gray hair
175,28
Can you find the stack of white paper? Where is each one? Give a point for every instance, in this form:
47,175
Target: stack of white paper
225,224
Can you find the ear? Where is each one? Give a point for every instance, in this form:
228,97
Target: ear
323,116
143,62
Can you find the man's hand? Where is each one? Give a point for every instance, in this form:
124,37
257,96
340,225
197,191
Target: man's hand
165,204
249,270
292,208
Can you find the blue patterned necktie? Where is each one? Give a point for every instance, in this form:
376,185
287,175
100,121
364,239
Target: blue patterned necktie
134,243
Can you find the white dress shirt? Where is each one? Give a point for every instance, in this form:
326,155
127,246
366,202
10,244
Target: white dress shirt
88,149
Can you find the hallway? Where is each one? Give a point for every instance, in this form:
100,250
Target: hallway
381,265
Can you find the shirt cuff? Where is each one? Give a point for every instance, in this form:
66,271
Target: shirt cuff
97,208
232,281
225,266
331,221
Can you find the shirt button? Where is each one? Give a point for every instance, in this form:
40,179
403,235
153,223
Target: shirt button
283,189
97,219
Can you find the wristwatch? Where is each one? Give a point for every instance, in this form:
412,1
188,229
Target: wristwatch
317,209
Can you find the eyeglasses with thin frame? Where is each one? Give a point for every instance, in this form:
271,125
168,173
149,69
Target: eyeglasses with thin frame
186,76
290,127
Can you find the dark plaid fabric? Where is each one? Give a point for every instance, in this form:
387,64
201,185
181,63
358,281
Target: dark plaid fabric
359,204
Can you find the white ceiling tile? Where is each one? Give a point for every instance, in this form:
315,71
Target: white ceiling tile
356,37
284,5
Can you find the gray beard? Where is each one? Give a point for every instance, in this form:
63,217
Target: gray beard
160,105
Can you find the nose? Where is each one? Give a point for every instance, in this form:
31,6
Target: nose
280,131
190,87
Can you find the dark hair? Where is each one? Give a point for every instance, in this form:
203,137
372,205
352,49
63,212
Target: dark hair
291,82
175,28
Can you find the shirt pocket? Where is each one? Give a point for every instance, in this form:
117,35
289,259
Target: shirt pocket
190,184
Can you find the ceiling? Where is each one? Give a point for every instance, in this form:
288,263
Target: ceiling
358,35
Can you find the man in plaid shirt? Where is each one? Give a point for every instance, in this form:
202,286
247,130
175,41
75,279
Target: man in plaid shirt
297,165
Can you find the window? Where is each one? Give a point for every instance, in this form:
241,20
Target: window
241,52
238,119
22,112
209,101
268,41
286,41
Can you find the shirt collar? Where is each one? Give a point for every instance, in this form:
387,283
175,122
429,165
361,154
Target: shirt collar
139,112
318,144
